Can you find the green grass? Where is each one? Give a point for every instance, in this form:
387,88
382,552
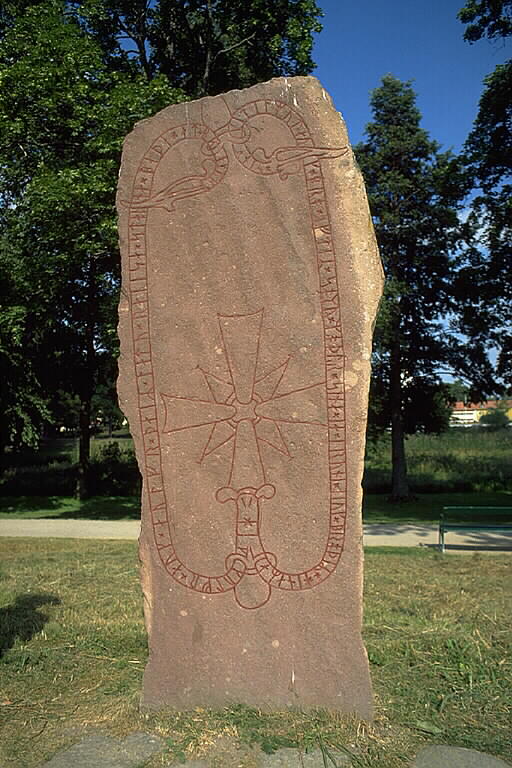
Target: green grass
462,467
97,508
460,460
437,632
426,508
376,509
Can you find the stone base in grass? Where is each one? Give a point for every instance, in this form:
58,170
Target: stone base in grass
456,757
100,749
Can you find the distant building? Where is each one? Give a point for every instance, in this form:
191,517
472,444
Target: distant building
468,414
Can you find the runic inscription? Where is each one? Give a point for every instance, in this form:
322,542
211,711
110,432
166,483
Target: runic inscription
251,282
250,407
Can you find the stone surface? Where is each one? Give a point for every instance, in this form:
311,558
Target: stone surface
193,764
99,749
456,757
251,281
292,758
282,758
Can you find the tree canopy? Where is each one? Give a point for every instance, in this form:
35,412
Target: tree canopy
74,79
415,193
485,276
63,115
496,418
486,18
207,46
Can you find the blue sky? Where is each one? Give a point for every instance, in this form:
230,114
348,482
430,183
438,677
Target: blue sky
418,40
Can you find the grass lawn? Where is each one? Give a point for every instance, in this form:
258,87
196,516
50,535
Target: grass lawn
461,467
428,506
74,648
376,508
459,460
97,508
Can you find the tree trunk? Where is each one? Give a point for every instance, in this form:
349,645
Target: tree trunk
399,483
3,452
86,386
140,42
205,80
84,449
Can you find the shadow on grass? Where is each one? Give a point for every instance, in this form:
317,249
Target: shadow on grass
426,508
481,541
447,475
22,619
105,508
506,546
27,504
66,507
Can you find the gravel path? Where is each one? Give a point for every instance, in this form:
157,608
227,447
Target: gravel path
375,534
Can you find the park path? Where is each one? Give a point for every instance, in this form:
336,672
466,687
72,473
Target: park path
375,534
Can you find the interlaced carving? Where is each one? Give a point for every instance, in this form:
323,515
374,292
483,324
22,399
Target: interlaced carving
248,409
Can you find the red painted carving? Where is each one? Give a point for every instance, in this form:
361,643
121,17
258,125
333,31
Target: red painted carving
245,412
248,409
243,133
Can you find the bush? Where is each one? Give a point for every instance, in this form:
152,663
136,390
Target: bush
114,472
54,479
495,419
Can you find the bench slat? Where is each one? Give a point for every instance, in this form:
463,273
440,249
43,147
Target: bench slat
476,527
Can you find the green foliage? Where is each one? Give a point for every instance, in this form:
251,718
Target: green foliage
484,279
52,479
415,193
63,115
495,418
111,471
23,408
114,472
425,404
458,391
70,90
208,46
473,460
486,18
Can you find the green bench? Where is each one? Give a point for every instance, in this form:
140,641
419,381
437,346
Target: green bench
492,523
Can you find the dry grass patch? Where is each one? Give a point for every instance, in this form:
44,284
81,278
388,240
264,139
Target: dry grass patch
74,649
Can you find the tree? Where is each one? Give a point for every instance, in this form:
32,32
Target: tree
415,193
208,46
63,115
458,391
495,418
75,75
23,408
486,18
485,274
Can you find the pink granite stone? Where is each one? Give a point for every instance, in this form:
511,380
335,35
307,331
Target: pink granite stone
251,280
